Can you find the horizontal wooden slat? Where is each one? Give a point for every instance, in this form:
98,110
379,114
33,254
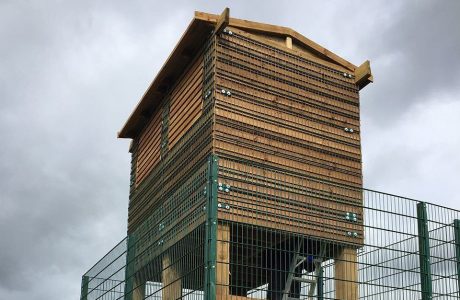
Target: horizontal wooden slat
238,56
149,148
294,90
295,105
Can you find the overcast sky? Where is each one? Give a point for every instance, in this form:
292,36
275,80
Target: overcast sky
72,71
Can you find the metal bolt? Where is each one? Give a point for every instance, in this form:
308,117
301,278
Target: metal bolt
219,205
346,129
227,190
349,233
230,32
355,234
351,130
345,74
229,93
223,91
227,206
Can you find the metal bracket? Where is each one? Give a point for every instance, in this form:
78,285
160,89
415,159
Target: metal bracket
224,187
352,234
223,205
225,92
352,217
227,31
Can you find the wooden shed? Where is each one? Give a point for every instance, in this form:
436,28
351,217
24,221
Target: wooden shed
281,116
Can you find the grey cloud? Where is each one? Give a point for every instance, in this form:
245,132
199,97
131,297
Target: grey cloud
414,55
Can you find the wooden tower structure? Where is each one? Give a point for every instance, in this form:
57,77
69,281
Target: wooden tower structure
264,124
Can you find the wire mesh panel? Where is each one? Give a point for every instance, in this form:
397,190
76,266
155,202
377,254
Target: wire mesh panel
164,258
278,258
260,194
272,252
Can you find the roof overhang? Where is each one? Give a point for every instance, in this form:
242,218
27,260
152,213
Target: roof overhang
190,43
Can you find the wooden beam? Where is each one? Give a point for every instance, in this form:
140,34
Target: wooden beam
363,75
139,291
223,262
289,42
346,274
223,20
171,280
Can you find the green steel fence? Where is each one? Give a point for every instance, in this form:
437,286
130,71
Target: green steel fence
270,240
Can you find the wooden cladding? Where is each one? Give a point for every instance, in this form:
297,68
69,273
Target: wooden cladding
285,125
286,111
183,107
186,103
286,201
149,149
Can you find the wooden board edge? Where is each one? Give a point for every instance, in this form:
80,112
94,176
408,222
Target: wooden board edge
363,75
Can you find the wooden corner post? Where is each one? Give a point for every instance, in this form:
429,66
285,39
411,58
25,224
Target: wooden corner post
346,274
223,21
171,279
223,262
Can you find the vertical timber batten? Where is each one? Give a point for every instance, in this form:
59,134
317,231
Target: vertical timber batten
424,252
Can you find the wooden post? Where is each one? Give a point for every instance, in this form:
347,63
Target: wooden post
289,42
171,280
346,274
139,290
223,262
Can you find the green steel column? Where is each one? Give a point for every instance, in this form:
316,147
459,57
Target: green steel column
129,271
211,230
84,287
457,251
424,252
320,284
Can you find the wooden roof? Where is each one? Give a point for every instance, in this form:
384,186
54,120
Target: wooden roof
190,43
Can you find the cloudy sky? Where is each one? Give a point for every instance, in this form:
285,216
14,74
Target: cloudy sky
72,71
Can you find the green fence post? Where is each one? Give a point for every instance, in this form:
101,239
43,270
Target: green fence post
129,271
211,230
457,251
321,284
84,287
424,252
